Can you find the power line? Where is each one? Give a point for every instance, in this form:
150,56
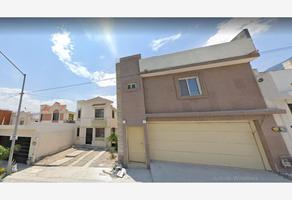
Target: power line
12,63
276,49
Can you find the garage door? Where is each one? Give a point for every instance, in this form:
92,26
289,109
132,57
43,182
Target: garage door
20,156
214,143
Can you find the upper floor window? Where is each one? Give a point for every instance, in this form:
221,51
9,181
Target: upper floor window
21,122
56,115
113,114
99,113
189,86
79,114
132,86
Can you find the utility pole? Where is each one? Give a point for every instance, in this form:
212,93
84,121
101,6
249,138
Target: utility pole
13,137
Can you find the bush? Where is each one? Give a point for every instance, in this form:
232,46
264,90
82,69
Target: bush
2,171
4,153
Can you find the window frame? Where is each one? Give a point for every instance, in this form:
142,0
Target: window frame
186,79
56,112
98,137
95,113
131,84
79,114
78,132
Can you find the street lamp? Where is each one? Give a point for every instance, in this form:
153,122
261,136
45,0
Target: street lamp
13,138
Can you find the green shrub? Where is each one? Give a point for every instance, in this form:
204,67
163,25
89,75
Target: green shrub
2,171
4,153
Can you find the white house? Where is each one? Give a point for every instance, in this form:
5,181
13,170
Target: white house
276,87
96,120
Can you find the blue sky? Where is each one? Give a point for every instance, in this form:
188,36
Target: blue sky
56,52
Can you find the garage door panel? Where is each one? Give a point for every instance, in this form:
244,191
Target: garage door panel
202,126
217,137
208,159
204,148
216,143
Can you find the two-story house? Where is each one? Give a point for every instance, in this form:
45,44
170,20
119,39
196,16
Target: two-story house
96,120
199,106
56,113
276,86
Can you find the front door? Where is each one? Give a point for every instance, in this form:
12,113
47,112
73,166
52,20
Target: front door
136,144
88,139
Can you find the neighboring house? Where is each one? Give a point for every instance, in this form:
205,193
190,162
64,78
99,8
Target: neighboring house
96,120
276,87
200,106
56,113
25,118
5,116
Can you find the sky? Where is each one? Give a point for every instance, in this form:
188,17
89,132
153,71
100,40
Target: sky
56,52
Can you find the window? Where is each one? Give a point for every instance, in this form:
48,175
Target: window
99,132
78,131
21,122
290,107
189,86
41,117
71,117
99,113
79,113
113,114
132,86
56,115
113,130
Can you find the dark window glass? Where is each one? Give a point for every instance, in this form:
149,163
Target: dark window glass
99,113
99,132
113,130
113,114
78,131
55,116
183,88
41,117
132,86
290,107
79,114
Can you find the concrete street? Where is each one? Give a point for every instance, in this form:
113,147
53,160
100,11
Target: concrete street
90,165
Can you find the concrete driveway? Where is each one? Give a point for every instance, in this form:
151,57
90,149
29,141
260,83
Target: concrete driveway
178,172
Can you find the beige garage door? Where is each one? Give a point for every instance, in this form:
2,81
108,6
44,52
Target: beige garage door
214,143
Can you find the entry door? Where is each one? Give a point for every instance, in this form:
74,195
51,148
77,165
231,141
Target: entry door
88,136
136,144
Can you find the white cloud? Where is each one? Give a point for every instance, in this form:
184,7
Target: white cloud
158,43
63,48
228,29
9,99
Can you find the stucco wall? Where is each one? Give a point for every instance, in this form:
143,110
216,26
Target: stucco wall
224,88
45,138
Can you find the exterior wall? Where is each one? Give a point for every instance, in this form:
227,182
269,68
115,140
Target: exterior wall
5,116
277,92
46,139
131,108
88,120
26,117
47,113
224,88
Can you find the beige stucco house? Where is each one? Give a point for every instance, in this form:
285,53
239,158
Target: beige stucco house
25,118
56,113
96,120
276,87
199,106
